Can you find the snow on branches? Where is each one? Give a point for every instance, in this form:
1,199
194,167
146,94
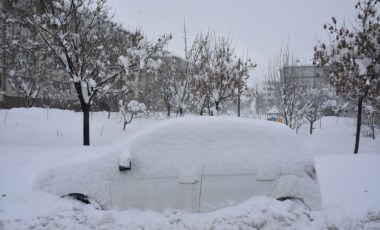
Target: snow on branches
131,110
87,48
353,56
219,74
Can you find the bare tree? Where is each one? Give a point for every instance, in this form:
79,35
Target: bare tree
219,75
88,47
166,80
316,99
183,85
371,118
142,60
77,32
26,71
221,79
241,71
130,111
28,77
288,88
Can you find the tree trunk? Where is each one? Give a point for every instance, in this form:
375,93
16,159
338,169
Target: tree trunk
168,111
239,103
181,112
373,132
311,127
286,119
217,107
126,121
29,102
358,125
209,106
86,124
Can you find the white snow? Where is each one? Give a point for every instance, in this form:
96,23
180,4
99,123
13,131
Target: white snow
57,5
135,106
66,5
125,62
36,140
273,110
154,64
125,159
12,73
363,65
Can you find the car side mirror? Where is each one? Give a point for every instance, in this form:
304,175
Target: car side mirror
125,163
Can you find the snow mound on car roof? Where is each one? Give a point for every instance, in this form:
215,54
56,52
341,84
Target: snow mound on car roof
216,145
181,147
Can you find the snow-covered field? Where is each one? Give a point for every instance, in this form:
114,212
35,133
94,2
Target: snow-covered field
34,140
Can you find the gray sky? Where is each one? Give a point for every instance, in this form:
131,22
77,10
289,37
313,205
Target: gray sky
259,27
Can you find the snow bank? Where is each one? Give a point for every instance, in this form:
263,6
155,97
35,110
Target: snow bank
29,145
256,213
53,127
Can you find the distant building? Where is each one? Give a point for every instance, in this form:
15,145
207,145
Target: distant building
311,75
315,77
274,114
5,31
264,98
9,97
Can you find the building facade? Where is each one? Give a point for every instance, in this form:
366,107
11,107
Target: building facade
264,98
9,96
310,75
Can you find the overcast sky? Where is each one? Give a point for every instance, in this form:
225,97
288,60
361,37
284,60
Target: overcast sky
259,27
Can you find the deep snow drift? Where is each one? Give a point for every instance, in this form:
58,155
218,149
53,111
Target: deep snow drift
35,140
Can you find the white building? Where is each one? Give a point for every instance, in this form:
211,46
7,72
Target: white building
264,98
311,75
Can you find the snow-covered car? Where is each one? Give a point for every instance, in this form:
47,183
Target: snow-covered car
198,164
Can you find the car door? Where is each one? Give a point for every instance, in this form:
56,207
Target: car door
156,193
218,191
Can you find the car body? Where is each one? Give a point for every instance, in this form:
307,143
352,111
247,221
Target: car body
198,164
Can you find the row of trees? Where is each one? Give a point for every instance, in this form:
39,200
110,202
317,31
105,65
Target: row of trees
210,75
295,99
76,42
65,48
352,59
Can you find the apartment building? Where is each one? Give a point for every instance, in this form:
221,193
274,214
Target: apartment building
264,98
9,96
311,75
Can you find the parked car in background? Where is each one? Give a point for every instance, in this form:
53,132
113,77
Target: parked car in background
198,164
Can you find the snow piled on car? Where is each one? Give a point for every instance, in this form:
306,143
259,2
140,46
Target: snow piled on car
216,145
189,146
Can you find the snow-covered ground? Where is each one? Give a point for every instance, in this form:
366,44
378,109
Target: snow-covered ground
34,140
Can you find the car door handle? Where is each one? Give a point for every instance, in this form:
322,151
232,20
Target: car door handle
188,180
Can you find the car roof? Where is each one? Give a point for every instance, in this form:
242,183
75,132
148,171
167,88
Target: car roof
215,145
